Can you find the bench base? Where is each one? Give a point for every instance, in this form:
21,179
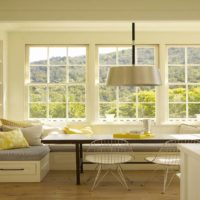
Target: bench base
24,171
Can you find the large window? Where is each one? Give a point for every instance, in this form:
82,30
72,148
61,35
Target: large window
57,82
184,81
125,103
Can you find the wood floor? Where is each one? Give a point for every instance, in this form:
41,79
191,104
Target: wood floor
60,185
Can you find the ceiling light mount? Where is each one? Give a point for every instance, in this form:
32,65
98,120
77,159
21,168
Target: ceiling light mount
139,75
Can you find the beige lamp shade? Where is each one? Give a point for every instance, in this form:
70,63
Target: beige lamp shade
134,76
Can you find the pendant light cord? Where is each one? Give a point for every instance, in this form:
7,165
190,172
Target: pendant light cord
133,43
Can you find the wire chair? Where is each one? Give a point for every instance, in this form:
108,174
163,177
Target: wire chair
169,158
110,153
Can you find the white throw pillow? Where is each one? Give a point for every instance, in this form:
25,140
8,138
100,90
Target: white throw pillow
32,134
49,130
187,129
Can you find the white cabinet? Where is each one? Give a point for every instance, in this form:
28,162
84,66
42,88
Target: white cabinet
1,78
190,171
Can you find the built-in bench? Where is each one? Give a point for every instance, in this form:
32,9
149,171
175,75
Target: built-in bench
24,164
32,164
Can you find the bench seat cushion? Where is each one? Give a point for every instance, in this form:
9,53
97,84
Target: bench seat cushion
33,153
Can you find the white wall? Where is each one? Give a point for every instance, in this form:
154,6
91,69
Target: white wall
3,39
16,63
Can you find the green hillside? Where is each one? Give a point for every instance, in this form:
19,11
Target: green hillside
75,95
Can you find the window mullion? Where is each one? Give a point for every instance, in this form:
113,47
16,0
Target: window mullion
48,81
137,103
66,85
137,88
117,88
186,82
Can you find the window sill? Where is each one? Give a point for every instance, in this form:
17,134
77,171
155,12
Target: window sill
135,123
179,122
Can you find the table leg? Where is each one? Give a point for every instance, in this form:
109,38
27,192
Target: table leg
77,164
81,157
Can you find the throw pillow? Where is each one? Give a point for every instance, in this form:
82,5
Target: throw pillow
20,124
187,129
32,134
85,130
12,140
49,130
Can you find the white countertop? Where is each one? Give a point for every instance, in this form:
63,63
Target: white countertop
192,149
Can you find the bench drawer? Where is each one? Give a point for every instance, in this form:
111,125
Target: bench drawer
10,168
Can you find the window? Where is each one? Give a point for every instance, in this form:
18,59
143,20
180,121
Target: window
184,81
125,103
57,82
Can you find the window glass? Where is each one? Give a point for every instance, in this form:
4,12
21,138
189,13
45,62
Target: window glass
125,102
57,82
184,82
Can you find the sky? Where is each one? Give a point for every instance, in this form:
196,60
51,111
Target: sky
41,53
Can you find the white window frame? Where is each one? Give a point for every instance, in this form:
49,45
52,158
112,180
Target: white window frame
185,84
27,84
126,120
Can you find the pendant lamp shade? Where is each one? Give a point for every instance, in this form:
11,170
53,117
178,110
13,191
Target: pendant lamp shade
134,75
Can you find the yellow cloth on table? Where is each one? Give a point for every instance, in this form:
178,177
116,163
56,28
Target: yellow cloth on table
85,130
133,135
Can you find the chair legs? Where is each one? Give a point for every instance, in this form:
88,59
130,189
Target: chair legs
151,177
97,177
166,180
119,176
165,184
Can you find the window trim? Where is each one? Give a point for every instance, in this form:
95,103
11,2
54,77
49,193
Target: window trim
185,83
27,84
97,83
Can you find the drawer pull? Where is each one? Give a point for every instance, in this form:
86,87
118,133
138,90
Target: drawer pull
12,169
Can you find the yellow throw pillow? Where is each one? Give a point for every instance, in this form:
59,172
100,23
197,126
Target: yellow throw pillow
85,130
20,124
71,130
12,140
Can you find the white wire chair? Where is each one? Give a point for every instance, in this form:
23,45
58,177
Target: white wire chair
169,158
110,153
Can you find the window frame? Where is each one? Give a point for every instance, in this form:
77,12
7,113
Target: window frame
48,84
97,83
185,84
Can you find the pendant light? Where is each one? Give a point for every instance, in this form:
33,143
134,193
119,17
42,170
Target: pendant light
134,75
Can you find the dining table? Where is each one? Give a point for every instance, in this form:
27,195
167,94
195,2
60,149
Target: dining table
79,139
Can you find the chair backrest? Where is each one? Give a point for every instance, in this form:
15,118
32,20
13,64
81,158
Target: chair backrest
110,150
169,153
